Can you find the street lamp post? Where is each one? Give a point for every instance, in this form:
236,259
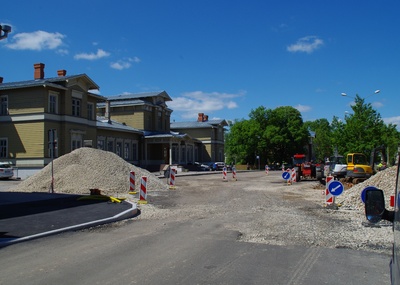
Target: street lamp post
375,92
4,30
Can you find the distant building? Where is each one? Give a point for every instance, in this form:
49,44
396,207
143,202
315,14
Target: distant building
210,133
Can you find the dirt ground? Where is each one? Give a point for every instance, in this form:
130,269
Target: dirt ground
265,209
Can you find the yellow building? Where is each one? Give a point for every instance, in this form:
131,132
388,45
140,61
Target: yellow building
210,133
64,112
61,109
149,112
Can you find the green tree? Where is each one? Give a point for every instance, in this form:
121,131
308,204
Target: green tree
322,142
285,134
364,129
273,135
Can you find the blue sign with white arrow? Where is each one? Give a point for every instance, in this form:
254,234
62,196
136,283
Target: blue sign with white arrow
286,175
335,188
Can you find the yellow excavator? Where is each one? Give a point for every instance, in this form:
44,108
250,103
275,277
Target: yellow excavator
358,167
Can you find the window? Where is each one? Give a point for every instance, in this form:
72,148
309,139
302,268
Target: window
76,141
90,108
53,106
110,145
76,107
119,149
4,105
159,120
52,140
126,151
3,148
100,144
134,151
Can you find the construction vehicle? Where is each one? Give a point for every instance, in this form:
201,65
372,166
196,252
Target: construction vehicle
304,169
335,166
358,167
338,167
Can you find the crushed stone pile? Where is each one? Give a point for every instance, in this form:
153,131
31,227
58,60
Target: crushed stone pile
87,168
384,180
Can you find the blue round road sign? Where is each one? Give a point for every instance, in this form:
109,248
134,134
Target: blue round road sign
364,192
286,175
335,188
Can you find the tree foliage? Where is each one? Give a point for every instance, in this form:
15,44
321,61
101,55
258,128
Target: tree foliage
274,135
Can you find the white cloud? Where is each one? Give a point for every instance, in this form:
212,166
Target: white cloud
62,51
377,104
92,56
302,108
307,44
393,120
39,40
192,103
124,64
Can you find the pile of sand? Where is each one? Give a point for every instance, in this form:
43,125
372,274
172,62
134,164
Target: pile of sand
88,168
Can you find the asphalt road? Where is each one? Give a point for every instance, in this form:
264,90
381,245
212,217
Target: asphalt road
182,247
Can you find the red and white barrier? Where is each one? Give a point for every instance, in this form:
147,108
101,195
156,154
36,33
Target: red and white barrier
224,174
143,190
289,181
234,173
172,175
132,183
266,169
329,198
293,175
392,201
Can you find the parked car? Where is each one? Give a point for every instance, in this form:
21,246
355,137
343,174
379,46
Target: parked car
6,170
217,166
202,166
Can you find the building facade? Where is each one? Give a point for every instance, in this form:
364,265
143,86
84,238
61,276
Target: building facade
65,112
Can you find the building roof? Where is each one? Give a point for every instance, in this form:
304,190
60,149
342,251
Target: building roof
45,81
138,96
150,134
55,82
198,125
104,123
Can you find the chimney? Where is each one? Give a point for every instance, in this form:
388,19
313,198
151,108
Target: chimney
108,111
39,71
1,80
205,118
61,72
200,117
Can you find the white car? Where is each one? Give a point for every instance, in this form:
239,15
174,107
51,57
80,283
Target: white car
6,170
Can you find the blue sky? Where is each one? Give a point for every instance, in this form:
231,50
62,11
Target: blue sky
221,58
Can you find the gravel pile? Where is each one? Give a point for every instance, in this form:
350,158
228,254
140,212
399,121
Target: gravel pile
88,168
384,180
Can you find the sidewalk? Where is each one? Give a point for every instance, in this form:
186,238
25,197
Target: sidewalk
25,216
